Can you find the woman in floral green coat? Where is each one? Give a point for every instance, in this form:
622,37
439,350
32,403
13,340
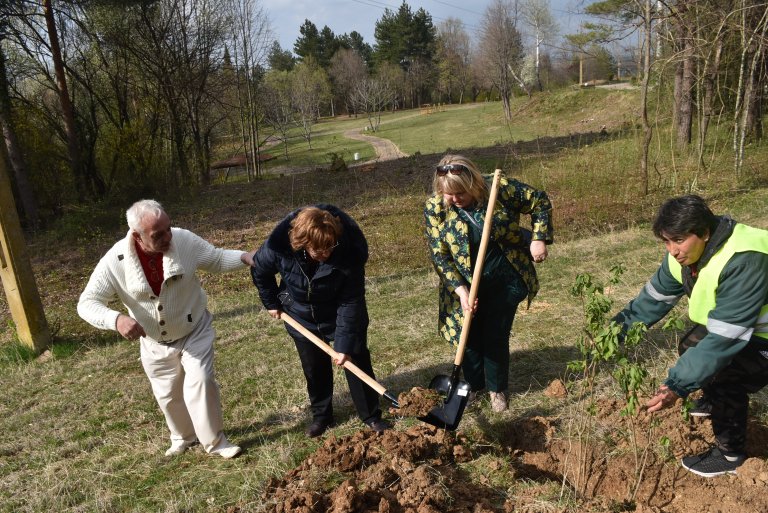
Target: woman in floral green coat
454,217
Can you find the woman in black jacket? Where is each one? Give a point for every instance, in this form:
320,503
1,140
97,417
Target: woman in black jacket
320,254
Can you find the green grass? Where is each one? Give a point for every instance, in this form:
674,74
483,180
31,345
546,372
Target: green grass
82,432
455,126
452,127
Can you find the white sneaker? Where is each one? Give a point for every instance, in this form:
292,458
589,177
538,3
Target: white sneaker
178,447
227,450
498,401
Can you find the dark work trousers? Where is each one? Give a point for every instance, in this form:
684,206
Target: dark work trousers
318,371
728,392
486,356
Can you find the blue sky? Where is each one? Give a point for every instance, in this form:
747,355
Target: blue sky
344,16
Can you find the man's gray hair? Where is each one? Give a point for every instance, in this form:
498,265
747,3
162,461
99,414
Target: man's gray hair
141,209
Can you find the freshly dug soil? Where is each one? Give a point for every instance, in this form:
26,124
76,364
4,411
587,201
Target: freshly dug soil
416,403
397,471
427,470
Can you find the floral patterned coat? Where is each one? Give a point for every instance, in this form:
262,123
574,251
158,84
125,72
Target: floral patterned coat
448,237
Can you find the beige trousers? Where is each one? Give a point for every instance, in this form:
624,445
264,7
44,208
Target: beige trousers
183,382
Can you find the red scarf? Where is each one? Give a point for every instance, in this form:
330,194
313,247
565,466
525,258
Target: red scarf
153,268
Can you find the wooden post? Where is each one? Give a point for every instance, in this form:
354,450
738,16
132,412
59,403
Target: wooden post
16,269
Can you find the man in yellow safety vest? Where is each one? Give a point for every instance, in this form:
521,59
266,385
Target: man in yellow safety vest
722,266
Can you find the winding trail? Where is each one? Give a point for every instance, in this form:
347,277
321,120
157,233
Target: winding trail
385,149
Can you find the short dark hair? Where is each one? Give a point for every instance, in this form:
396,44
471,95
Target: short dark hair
684,215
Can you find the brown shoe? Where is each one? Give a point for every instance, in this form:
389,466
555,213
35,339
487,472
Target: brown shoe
498,401
318,427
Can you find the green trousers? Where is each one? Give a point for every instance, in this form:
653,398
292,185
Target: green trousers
486,356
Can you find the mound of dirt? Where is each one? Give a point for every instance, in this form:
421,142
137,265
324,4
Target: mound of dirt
397,471
416,403
427,470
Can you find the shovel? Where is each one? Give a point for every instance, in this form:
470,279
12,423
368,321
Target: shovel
455,393
351,367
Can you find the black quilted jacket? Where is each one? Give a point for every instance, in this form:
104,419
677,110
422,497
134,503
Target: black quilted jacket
330,302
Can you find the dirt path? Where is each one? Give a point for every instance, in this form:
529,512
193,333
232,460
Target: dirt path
385,149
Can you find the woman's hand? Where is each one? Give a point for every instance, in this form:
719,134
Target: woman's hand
463,294
275,314
663,398
539,250
342,358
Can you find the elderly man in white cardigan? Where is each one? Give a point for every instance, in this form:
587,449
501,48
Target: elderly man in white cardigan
152,272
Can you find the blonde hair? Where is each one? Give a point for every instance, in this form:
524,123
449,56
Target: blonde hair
471,183
314,228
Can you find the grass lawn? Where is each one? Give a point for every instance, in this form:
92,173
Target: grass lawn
470,125
82,432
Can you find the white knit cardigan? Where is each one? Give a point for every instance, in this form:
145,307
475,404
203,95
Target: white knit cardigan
182,301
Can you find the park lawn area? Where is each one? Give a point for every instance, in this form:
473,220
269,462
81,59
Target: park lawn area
81,430
442,128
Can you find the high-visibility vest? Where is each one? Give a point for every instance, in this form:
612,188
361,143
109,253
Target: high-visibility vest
702,300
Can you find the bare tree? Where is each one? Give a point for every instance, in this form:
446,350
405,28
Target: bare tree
347,69
310,89
453,58
711,32
647,128
278,106
537,15
178,48
15,155
373,96
67,109
683,32
501,49
753,30
252,39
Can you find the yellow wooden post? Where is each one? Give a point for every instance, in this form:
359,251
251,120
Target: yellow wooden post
16,269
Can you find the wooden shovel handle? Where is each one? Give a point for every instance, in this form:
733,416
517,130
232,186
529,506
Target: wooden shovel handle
478,272
351,367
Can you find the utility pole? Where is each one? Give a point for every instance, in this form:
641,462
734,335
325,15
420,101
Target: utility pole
16,269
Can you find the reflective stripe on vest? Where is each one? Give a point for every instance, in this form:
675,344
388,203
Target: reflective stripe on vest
704,293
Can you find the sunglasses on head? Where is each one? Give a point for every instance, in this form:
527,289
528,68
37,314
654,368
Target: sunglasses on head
454,169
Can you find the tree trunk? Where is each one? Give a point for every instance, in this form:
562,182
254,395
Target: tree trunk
67,109
708,100
751,55
538,63
684,81
23,187
754,124
507,107
177,134
647,128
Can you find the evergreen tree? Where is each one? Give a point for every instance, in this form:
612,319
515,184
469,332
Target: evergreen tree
329,44
279,59
362,48
402,36
308,44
